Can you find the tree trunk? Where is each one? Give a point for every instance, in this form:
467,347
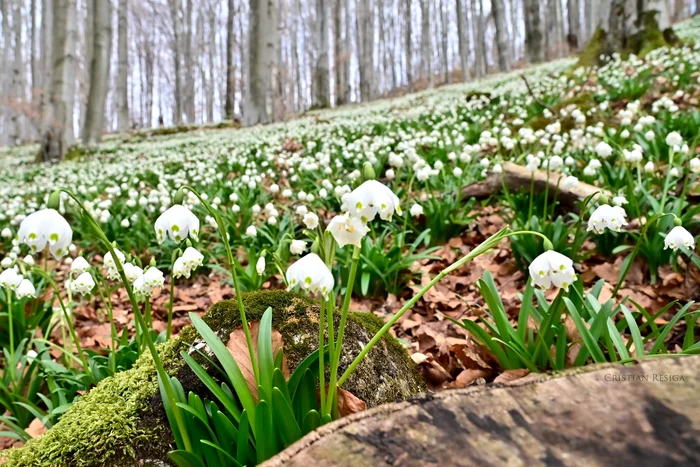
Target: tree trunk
534,34
339,54
18,95
579,417
101,28
260,55
463,39
122,67
499,16
574,21
177,59
230,67
408,43
188,58
444,29
426,47
478,21
32,51
322,92
366,48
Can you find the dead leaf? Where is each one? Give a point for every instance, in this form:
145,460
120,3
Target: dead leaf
349,404
35,428
509,376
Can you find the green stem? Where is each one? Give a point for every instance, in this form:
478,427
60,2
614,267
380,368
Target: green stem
668,178
236,285
170,308
11,328
165,378
110,316
321,364
479,250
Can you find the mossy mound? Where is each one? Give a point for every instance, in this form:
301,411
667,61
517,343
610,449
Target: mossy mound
121,422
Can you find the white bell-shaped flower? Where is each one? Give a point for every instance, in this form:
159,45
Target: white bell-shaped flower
83,284
177,222
310,273
297,247
109,261
25,289
46,226
678,237
79,266
347,230
132,272
10,278
416,210
606,216
260,266
372,198
310,220
192,258
180,269
552,268
151,279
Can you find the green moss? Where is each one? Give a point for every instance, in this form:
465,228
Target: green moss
593,50
121,421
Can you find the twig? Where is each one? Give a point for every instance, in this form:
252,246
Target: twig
529,89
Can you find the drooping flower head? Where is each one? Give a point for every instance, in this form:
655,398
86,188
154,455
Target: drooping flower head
177,223
552,268
310,273
25,289
44,227
678,237
151,279
79,266
83,284
606,216
347,230
10,278
190,260
372,198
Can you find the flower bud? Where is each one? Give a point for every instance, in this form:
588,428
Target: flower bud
548,245
54,200
179,196
368,172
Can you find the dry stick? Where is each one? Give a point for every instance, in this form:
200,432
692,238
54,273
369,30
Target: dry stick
529,90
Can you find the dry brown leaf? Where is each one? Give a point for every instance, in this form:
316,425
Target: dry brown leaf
35,428
349,404
467,377
509,376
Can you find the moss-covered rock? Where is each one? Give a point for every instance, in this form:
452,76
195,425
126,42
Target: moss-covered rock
121,422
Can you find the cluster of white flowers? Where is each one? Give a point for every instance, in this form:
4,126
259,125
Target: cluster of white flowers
607,217
310,273
552,268
190,260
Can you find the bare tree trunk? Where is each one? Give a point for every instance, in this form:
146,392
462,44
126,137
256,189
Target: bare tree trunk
365,48
479,26
177,58
408,43
32,50
260,55
101,29
574,21
46,58
122,67
426,42
230,67
188,58
340,57
212,64
444,29
322,92
534,34
17,92
499,16
463,39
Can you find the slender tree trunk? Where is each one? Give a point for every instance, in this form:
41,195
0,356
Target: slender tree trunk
444,29
534,34
365,48
230,67
32,51
339,56
347,80
408,43
463,39
574,21
426,42
499,16
122,67
18,95
322,92
479,26
261,49
188,57
99,71
176,47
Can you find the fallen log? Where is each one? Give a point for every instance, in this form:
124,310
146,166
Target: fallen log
516,177
646,414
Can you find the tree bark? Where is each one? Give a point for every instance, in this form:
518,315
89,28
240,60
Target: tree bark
534,33
573,18
322,92
260,55
18,95
339,54
499,16
408,43
578,417
101,28
122,67
230,67
365,28
463,39
426,47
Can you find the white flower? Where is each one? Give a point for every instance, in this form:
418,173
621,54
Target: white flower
649,167
29,259
297,247
177,222
125,223
109,261
606,216
25,289
179,268
6,233
148,281
674,139
192,258
570,182
251,231
603,150
552,268
311,274
46,226
310,220
79,266
555,162
677,237
497,169
635,155
10,278
132,272
674,172
695,165
83,284
416,210
6,262
260,266
372,198
619,200
347,230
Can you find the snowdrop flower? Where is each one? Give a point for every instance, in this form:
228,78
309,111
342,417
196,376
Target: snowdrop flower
46,226
552,268
10,278
674,139
497,169
132,272
25,289
649,135
148,281
109,261
179,269
570,182
6,262
83,284
372,198
606,216
649,167
347,230
695,165
634,155
390,174
416,210
310,273
603,150
260,265
297,247
79,266
125,223
311,221
6,233
619,200
177,222
674,172
251,231
29,259
192,258
677,237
